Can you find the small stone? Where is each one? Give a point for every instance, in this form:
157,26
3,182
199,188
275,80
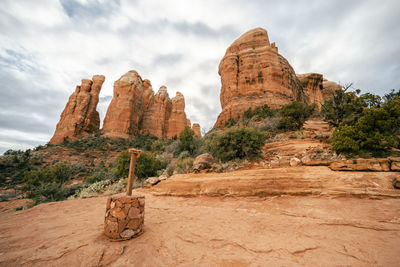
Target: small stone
122,225
111,226
125,199
112,204
108,206
141,201
118,213
294,162
128,233
134,224
162,177
396,182
133,213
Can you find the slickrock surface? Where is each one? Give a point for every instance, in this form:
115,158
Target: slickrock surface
253,73
135,109
80,117
214,231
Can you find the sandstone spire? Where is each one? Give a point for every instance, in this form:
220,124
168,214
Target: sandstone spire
131,98
80,117
136,109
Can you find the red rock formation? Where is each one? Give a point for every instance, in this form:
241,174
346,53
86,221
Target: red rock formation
196,129
329,88
312,87
80,117
131,98
135,109
316,88
156,117
253,73
177,120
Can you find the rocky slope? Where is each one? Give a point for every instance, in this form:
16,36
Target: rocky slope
253,73
80,117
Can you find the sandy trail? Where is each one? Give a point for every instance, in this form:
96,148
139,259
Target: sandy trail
313,230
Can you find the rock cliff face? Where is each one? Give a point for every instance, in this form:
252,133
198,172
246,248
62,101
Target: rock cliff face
127,106
136,109
312,87
80,117
316,88
253,73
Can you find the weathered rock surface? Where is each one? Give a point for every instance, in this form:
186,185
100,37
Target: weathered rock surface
196,129
156,117
373,164
135,109
203,161
329,88
253,73
313,87
394,163
177,120
80,117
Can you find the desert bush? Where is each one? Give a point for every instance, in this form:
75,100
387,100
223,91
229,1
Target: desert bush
184,165
147,165
294,115
122,164
174,147
48,184
376,131
187,139
230,122
184,154
243,142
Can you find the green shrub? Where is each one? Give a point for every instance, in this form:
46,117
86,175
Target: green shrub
187,139
294,115
122,164
184,165
235,143
376,131
47,184
147,165
230,122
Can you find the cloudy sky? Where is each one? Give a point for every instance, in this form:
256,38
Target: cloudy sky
48,46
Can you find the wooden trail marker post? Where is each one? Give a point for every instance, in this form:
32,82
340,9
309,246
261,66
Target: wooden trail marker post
124,216
134,154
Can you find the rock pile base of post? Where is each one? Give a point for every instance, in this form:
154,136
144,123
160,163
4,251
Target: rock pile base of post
124,217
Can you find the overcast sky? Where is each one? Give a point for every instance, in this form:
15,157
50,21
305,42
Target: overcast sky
48,46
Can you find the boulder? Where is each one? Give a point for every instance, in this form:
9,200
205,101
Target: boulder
396,182
374,164
253,73
295,162
394,163
151,181
80,116
203,161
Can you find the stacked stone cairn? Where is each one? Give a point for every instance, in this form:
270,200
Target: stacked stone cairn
124,217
